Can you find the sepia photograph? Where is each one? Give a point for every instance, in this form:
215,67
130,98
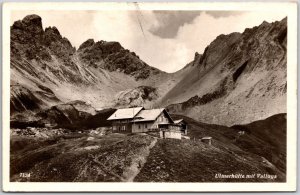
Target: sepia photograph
150,93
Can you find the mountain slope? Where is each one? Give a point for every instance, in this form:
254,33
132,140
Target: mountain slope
47,67
239,78
112,56
266,138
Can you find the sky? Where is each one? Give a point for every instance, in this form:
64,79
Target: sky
166,40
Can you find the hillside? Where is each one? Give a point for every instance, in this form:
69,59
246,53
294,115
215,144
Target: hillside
72,115
240,78
98,155
266,138
47,70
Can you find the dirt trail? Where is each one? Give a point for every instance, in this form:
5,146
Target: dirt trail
138,162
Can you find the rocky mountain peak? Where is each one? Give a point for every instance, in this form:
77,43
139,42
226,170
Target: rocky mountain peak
27,29
113,57
236,67
52,30
103,47
32,19
110,47
234,49
51,35
32,23
45,66
197,58
87,43
265,23
61,46
28,37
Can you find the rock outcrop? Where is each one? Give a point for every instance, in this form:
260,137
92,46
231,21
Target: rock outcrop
68,115
140,96
113,57
22,99
28,37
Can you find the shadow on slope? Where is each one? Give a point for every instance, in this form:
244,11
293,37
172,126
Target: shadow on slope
75,115
193,161
266,137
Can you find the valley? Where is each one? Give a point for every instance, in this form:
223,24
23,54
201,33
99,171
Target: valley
242,73
61,97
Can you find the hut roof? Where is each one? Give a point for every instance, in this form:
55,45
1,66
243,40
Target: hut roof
206,137
125,113
178,121
150,115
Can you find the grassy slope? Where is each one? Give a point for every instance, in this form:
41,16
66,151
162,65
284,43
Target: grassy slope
75,158
193,161
266,137
116,157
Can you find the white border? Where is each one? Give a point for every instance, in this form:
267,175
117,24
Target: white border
290,185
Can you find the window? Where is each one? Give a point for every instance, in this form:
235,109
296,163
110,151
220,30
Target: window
146,126
124,128
139,126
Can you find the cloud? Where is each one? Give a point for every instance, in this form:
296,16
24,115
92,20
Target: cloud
167,40
206,28
219,14
125,27
170,21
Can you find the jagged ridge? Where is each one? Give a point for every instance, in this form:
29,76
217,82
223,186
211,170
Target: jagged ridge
43,59
254,66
